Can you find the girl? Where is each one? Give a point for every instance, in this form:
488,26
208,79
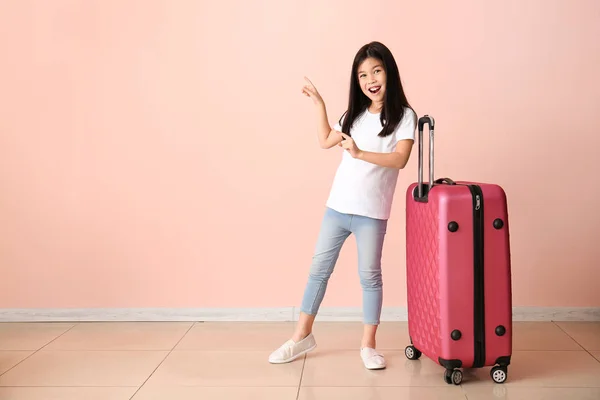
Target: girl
377,133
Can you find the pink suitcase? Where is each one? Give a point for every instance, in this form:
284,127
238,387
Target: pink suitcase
458,272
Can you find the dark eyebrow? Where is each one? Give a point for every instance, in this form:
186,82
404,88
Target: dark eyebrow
376,66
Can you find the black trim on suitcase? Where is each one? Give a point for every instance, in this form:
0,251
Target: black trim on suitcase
503,361
478,273
450,364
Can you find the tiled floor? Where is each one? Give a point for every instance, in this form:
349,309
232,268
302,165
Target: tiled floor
151,361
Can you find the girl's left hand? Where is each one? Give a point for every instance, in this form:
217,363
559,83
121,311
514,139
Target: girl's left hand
350,146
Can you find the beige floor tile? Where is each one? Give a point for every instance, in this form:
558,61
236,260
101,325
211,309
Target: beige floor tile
210,393
266,336
9,359
104,354
347,335
122,336
381,393
224,368
586,334
30,335
345,368
504,392
541,336
543,368
66,393
84,368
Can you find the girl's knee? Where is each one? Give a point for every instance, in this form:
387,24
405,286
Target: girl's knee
371,278
321,268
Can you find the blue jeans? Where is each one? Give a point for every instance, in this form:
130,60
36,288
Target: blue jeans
335,229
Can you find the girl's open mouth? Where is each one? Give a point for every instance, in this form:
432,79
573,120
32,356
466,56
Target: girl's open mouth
375,89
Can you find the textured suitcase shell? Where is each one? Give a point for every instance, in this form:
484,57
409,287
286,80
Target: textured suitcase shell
441,275
458,272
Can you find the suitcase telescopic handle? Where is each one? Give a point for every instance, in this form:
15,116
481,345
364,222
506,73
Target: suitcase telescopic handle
426,119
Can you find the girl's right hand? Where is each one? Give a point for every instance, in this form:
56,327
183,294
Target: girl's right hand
311,91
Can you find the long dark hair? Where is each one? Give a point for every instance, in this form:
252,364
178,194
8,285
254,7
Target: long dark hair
395,99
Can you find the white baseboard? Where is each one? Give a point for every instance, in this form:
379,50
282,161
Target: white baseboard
262,314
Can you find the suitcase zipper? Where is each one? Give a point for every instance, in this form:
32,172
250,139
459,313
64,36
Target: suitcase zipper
478,273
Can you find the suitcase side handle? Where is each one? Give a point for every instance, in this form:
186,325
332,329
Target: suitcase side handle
445,180
426,119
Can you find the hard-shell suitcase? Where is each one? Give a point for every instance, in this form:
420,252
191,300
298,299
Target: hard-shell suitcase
458,272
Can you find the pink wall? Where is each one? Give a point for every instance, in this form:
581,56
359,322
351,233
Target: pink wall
129,129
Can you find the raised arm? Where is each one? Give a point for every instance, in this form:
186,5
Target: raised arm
327,137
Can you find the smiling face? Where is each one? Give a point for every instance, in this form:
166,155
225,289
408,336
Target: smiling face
375,86
372,80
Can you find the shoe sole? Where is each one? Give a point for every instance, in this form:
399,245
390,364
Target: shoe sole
377,367
287,360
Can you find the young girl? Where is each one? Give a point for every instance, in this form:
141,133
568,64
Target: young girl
377,133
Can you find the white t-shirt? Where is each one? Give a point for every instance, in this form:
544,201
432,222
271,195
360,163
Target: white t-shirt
363,188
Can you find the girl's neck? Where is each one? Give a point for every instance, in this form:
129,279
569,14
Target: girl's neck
375,108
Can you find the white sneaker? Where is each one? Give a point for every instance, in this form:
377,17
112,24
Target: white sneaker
291,350
372,359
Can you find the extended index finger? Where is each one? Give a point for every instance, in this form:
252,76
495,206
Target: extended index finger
308,80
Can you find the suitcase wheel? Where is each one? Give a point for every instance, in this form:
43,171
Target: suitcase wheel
499,374
412,353
453,376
